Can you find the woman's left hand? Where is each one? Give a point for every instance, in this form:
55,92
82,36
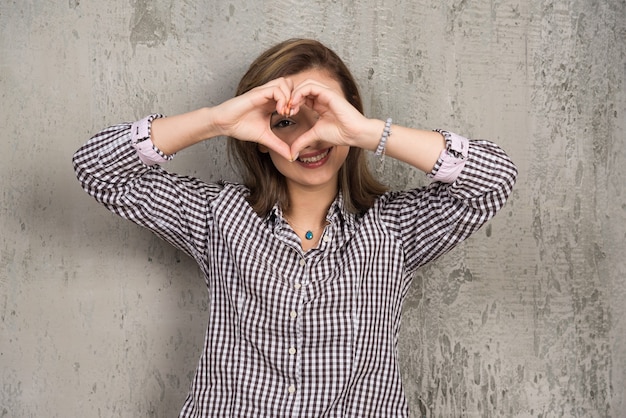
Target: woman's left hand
339,122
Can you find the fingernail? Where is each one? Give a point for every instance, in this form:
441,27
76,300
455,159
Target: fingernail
295,158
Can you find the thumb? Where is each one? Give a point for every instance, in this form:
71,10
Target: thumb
270,141
303,141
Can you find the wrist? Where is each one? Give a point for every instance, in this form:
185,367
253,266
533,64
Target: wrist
371,134
211,126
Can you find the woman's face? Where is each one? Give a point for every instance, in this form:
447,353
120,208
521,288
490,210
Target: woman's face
317,165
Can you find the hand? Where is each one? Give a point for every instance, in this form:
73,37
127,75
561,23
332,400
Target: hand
247,117
339,123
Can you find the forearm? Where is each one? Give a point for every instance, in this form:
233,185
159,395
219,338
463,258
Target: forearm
175,133
419,148
416,147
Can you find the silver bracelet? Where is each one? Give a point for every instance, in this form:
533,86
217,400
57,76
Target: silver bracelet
382,145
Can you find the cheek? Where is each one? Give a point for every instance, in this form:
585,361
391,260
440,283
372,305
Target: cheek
342,153
280,163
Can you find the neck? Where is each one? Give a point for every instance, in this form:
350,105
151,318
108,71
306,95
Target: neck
309,207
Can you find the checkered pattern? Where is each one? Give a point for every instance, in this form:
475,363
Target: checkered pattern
295,334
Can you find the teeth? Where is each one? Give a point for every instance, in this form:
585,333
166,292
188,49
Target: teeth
315,158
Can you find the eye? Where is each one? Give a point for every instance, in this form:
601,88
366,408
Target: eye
282,123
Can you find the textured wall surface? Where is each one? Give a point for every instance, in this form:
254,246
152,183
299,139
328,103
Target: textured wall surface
100,319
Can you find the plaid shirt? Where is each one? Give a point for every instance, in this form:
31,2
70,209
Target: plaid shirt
293,333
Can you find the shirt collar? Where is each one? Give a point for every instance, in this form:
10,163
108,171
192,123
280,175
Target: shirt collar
337,213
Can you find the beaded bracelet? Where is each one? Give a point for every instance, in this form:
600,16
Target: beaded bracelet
380,150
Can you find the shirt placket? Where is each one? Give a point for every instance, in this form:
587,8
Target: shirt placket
297,283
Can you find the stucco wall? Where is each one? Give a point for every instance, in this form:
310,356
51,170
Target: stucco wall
100,319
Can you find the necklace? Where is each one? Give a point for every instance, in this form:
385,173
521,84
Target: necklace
308,233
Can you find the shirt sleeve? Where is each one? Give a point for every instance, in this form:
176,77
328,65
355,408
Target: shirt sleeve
430,221
127,180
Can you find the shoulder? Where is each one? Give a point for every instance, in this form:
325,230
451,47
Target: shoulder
397,199
230,195
229,187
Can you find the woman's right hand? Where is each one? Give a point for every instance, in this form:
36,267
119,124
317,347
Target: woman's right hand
247,117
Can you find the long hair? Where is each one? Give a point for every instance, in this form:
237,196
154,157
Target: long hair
266,184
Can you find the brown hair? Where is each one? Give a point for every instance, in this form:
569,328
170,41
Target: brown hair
267,186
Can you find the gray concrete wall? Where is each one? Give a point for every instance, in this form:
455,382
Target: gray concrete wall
100,319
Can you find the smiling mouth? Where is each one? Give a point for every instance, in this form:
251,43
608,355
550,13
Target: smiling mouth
314,158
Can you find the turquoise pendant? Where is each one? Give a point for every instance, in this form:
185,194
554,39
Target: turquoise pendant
309,235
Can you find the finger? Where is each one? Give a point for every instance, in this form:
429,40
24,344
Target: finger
287,88
315,97
309,88
277,145
281,94
308,138
297,103
276,92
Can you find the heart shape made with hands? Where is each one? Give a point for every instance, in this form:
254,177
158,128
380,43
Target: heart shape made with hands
298,99
326,123
291,133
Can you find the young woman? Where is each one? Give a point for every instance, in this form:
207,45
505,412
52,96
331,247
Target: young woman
308,261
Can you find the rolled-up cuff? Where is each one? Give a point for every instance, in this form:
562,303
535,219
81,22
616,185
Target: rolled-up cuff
452,159
148,153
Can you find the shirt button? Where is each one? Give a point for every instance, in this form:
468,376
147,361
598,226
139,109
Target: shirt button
326,238
292,350
302,262
297,286
292,389
293,314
